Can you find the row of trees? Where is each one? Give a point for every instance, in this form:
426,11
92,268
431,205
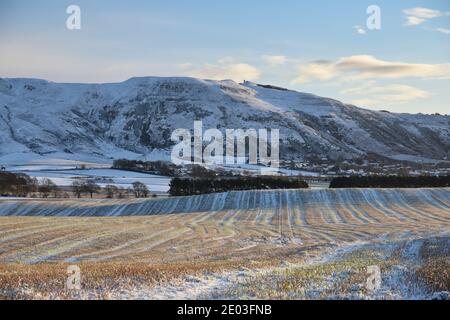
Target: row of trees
169,169
139,190
85,186
186,187
378,181
156,167
22,185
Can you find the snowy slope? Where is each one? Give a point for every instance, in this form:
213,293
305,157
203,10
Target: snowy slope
135,118
400,204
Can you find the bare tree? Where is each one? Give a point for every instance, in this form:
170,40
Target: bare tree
19,185
77,188
111,191
140,190
91,187
46,186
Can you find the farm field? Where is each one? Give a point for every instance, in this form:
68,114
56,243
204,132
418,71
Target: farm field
199,247
64,177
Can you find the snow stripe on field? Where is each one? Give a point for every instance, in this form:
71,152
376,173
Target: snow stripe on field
324,201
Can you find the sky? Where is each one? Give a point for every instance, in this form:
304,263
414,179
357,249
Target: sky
323,47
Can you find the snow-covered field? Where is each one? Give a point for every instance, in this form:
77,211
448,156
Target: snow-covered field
330,206
203,246
65,175
337,273
64,172
409,267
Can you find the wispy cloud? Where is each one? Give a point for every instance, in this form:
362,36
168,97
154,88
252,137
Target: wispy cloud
384,95
443,30
368,67
419,15
413,21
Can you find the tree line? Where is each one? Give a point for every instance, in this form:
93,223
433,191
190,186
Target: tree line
156,167
22,185
379,181
138,189
169,169
191,186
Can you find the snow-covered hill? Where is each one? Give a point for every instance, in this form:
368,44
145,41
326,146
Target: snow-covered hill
333,203
135,119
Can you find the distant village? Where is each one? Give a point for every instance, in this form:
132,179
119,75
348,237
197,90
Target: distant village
368,167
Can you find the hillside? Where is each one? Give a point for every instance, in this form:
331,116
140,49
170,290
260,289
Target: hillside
134,119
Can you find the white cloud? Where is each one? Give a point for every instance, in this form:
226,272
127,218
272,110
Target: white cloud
368,67
374,95
424,13
359,29
319,71
274,60
418,15
225,68
414,21
443,30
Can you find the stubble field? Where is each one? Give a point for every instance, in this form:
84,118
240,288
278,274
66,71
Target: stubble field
205,246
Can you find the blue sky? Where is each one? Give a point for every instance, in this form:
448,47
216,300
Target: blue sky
322,47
